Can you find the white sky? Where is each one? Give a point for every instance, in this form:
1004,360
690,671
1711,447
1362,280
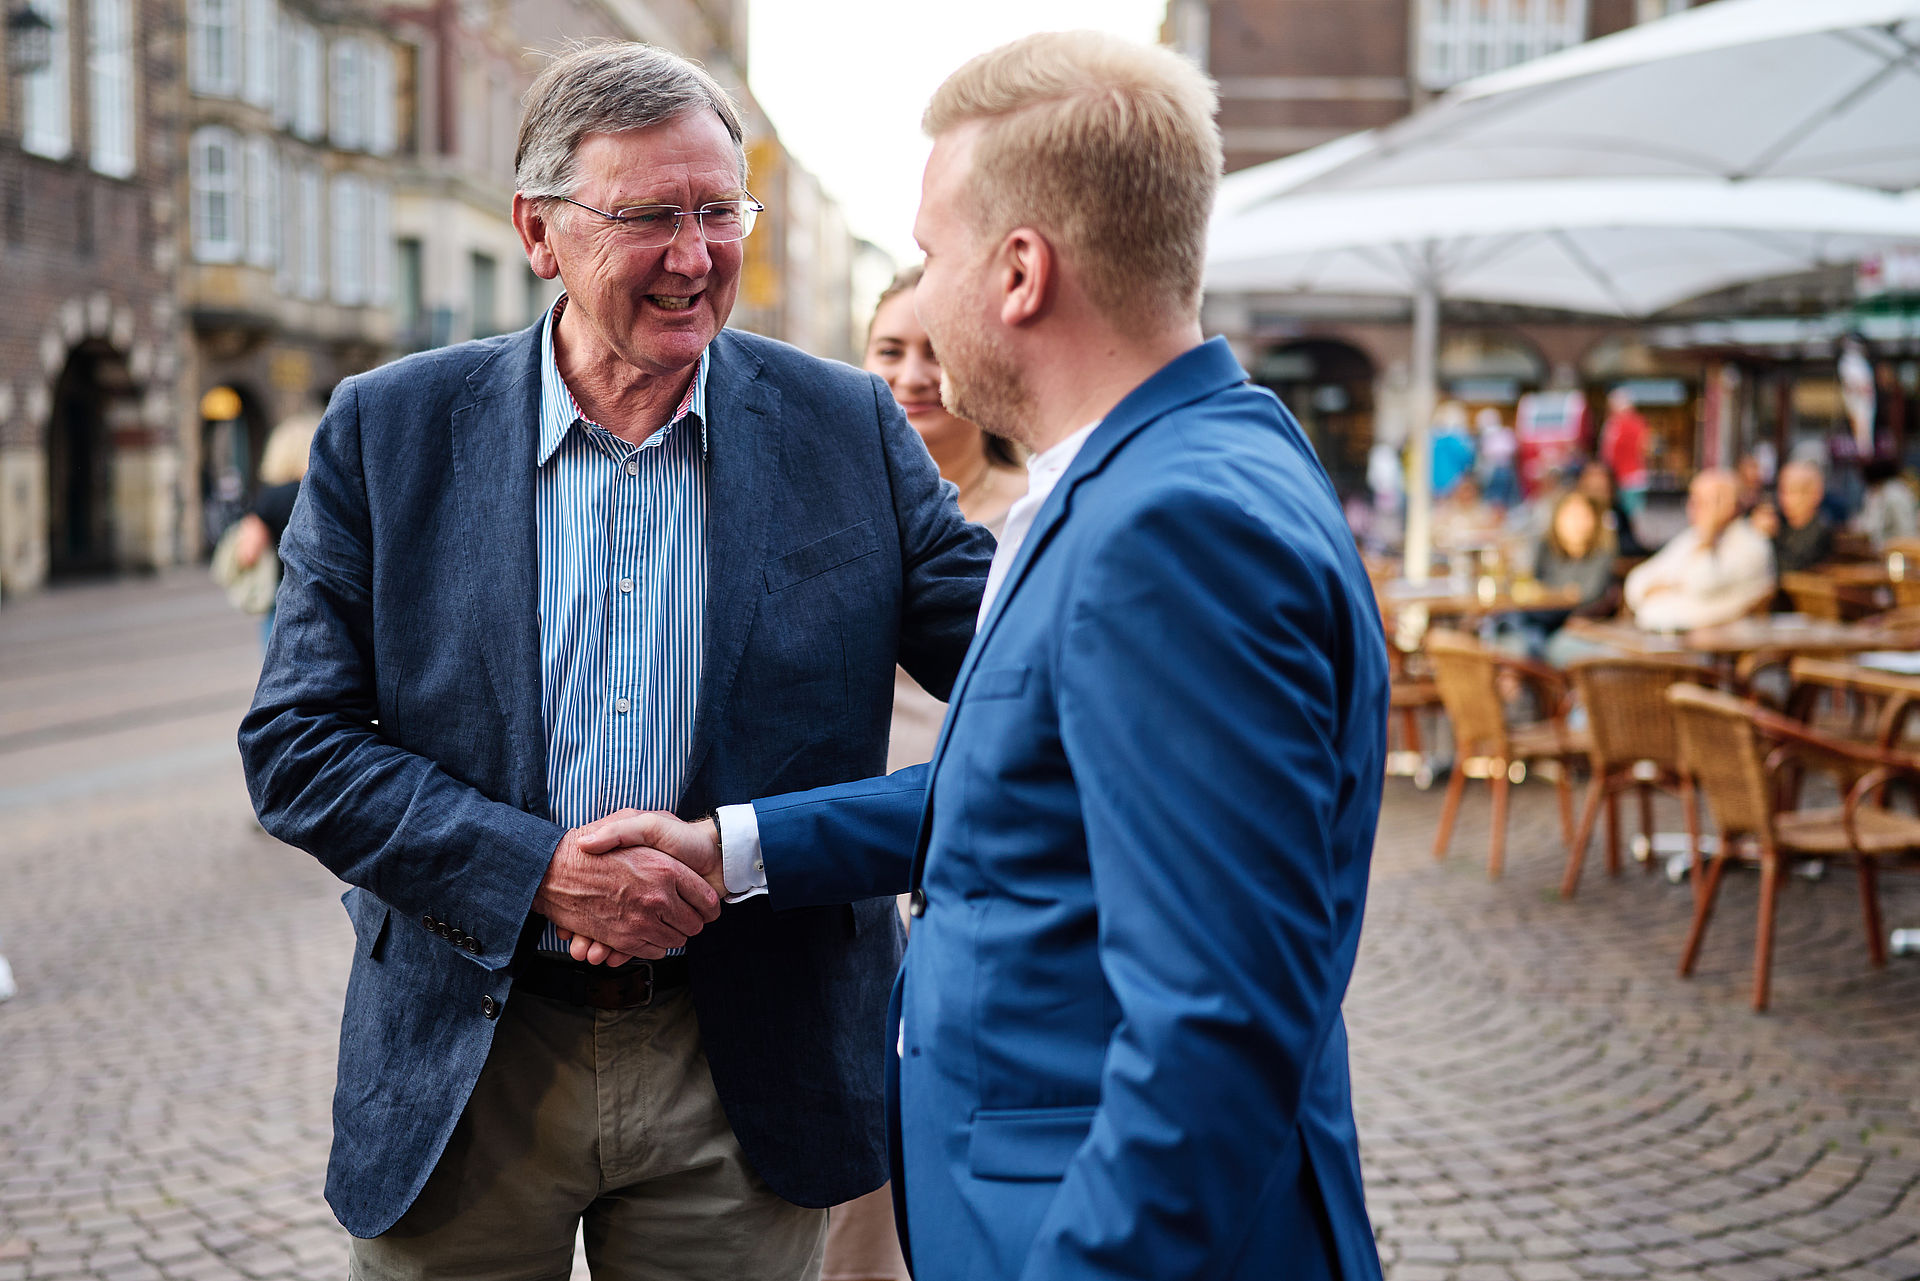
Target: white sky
845,81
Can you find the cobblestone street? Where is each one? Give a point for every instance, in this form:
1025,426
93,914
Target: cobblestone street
1539,1096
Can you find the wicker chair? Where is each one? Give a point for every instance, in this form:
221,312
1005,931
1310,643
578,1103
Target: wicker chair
1412,691
1818,596
1634,746
1734,751
1467,673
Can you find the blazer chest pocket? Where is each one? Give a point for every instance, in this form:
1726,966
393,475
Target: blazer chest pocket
997,682
821,555
1026,1143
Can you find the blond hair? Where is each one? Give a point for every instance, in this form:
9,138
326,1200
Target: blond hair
1107,147
284,460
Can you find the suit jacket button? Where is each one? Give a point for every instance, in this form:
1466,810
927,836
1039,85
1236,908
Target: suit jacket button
489,1007
472,945
430,923
917,903
446,931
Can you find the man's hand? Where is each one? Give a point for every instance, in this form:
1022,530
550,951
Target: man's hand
622,896
697,845
1765,520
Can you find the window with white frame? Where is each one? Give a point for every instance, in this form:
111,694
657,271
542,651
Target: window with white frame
292,220
261,72
380,243
262,184
382,133
311,196
301,103
1460,39
110,87
213,47
214,175
46,105
348,82
347,240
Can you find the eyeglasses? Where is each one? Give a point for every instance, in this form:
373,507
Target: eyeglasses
650,226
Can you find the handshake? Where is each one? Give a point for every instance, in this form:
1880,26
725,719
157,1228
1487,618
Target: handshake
632,885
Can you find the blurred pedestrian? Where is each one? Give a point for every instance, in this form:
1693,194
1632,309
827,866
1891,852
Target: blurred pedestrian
1452,448
1623,448
1495,451
1889,511
8,988
282,465
862,1242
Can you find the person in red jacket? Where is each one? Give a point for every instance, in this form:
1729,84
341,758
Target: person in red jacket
1623,448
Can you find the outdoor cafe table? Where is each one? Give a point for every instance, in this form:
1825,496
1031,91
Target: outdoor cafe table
1442,599
1793,632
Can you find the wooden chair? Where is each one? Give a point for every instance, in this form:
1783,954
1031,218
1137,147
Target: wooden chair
1411,692
1734,751
1633,746
1467,673
1818,596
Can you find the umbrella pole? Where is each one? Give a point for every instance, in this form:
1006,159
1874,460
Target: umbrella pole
1420,401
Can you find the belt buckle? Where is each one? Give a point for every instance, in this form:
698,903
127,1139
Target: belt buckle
648,965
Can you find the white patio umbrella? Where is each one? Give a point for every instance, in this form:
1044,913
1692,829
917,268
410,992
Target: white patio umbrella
1621,247
1742,89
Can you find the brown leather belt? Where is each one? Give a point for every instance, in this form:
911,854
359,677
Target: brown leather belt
638,983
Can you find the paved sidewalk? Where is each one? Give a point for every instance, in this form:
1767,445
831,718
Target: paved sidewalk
1539,1096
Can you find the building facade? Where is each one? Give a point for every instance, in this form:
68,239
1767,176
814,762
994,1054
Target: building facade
91,357
212,211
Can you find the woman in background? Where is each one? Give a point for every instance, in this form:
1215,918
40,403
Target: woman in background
283,464
861,1241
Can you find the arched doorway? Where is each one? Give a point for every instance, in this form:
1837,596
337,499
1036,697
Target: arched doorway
1329,387
91,391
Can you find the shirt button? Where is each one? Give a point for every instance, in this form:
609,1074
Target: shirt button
633,466
621,705
626,584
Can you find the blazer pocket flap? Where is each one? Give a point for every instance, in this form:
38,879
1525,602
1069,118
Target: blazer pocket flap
1026,1143
998,682
369,916
821,555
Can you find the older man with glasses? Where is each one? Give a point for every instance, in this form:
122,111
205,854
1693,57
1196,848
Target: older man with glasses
625,558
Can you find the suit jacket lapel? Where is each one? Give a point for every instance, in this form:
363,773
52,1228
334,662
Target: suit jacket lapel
495,447
742,462
1194,375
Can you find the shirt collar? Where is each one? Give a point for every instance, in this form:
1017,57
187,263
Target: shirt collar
559,411
1048,466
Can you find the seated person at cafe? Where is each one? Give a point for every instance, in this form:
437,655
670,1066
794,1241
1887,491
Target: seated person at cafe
1576,552
1714,571
1596,482
1463,520
1802,537
1889,511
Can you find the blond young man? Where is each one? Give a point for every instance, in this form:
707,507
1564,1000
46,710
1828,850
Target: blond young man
1139,876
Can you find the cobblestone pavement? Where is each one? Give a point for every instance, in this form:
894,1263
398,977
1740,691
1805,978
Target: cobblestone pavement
1539,1096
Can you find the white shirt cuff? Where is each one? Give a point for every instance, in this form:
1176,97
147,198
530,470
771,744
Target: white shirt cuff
740,863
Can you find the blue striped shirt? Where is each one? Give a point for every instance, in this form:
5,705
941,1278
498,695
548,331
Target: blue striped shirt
623,594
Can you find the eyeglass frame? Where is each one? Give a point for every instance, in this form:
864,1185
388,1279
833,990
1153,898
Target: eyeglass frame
754,209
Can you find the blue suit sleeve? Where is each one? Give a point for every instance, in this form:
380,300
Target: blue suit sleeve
842,843
321,776
1201,706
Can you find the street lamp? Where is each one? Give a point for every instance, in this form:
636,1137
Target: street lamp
29,41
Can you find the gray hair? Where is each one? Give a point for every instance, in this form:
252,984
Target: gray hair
608,86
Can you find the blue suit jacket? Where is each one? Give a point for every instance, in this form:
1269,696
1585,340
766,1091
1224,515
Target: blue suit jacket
1144,855
397,734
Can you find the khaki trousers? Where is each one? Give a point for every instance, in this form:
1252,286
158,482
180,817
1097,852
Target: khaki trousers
606,1121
